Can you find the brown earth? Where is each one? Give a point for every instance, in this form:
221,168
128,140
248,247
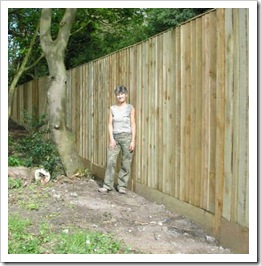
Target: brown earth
145,227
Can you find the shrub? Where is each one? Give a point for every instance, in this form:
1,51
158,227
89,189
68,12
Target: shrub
37,149
14,161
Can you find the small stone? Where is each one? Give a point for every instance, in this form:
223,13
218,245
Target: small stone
210,239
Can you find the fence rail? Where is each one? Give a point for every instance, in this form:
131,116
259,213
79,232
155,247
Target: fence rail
189,86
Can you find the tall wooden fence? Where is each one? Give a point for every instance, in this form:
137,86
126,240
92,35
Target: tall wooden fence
189,86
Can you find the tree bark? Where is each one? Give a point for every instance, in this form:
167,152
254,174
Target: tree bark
54,53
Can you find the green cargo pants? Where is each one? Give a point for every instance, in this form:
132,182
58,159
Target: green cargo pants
123,141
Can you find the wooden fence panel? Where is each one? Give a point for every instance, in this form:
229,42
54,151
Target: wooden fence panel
189,86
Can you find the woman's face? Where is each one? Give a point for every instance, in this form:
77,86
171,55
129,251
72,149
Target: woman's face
121,97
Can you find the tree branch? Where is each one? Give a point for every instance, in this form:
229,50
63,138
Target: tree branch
21,69
78,30
45,26
65,26
35,62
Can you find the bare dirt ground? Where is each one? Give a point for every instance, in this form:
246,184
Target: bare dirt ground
145,227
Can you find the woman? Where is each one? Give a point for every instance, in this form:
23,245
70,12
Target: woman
122,131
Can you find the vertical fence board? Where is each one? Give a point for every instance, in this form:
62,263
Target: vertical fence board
182,116
220,120
236,119
243,114
84,114
172,113
229,114
132,99
139,118
198,110
159,111
166,121
187,115
212,86
145,114
205,117
193,160
91,113
150,114
177,85
80,112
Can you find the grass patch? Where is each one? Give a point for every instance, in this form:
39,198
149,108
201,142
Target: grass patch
14,183
81,242
19,240
68,241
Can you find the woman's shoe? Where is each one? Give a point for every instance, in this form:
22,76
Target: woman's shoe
103,189
122,191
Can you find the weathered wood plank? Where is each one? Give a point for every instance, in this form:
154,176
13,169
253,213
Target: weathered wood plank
243,114
159,112
192,158
229,96
220,120
183,163
198,110
206,114
177,85
236,110
172,134
212,87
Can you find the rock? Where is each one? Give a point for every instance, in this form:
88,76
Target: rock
211,240
65,231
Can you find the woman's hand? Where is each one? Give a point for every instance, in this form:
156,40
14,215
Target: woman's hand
112,144
132,146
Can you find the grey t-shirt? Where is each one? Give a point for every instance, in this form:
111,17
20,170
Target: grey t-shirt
121,119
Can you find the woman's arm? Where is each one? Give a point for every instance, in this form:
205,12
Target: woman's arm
112,143
133,129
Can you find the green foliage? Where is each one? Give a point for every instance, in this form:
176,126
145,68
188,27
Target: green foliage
21,241
22,23
96,32
36,149
14,161
40,152
161,19
34,121
31,206
14,183
10,140
103,31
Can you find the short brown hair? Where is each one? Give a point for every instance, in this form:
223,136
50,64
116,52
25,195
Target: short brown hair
120,89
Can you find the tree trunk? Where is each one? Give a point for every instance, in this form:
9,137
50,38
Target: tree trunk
54,53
